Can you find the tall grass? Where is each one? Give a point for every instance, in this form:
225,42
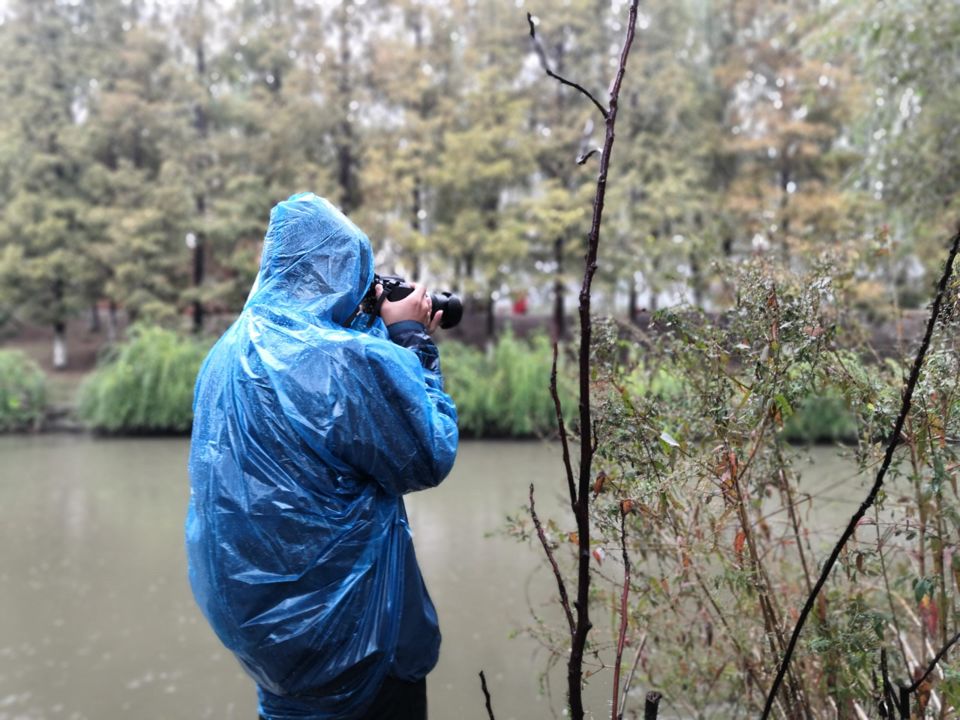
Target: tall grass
145,384
503,391
23,392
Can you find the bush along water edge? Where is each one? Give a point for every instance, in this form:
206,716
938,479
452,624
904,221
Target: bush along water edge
144,385
23,392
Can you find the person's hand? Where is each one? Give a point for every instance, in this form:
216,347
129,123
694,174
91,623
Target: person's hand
415,306
435,323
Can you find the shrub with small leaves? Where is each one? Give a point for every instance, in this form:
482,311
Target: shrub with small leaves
23,392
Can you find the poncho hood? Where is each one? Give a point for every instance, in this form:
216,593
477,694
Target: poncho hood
314,260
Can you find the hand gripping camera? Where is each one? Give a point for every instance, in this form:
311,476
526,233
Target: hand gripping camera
396,288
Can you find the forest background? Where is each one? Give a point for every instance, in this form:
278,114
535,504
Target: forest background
142,145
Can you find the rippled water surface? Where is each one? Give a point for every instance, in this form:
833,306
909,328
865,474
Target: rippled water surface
97,621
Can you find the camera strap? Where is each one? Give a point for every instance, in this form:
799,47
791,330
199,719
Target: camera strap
376,309
373,315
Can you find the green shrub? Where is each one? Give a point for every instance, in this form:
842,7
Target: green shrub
821,418
504,391
145,384
662,382
23,392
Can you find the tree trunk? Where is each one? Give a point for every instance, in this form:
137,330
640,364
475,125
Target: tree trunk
696,280
696,271
198,270
346,157
727,247
632,310
59,325
60,358
491,319
559,326
112,322
94,326
785,175
416,224
202,127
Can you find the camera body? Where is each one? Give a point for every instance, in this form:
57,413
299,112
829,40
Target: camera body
396,288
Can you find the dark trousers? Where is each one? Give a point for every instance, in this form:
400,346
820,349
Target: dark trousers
398,700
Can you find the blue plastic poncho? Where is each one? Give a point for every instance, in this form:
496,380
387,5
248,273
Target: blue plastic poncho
306,435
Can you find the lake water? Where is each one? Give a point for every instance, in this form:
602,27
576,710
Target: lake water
97,621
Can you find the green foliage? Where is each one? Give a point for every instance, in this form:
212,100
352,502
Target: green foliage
849,644
145,384
503,391
905,51
23,392
694,428
821,418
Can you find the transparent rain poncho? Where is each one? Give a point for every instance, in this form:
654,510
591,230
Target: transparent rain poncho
306,435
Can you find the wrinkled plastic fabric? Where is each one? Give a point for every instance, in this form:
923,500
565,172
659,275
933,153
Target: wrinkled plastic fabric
306,435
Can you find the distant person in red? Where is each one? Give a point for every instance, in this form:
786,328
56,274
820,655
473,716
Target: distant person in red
520,304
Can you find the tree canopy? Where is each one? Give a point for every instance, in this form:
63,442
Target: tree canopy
143,144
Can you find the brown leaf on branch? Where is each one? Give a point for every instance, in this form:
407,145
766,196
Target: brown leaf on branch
930,614
599,484
739,541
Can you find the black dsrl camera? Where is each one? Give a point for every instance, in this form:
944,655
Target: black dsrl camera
396,288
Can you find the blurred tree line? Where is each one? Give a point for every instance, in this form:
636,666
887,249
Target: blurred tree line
143,143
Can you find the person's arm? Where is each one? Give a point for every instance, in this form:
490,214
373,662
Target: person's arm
414,442
369,408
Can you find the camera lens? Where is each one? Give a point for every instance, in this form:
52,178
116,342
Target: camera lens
452,308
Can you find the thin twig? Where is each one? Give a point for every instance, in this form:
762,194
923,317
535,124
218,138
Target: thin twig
791,511
892,443
624,617
633,671
582,159
486,695
563,81
561,586
933,664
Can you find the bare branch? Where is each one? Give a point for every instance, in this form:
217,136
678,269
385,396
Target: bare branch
581,508
933,664
582,159
892,443
624,596
546,68
567,465
486,695
561,586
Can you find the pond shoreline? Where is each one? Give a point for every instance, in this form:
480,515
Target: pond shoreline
71,427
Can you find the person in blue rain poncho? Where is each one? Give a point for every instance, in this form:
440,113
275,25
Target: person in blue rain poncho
307,434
